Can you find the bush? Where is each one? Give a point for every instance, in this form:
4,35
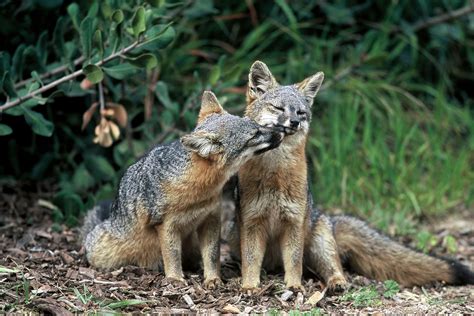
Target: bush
392,135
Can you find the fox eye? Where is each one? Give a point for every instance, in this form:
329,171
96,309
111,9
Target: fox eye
278,108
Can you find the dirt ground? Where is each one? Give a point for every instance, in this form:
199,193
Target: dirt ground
45,271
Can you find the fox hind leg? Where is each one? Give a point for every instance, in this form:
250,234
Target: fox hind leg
321,255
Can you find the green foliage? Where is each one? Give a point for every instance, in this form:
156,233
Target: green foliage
391,288
392,134
363,297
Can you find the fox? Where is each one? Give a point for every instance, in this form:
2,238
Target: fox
168,202
277,225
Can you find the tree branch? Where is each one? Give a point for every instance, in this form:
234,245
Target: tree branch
451,15
66,78
51,73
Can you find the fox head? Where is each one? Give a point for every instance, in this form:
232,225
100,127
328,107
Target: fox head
227,139
287,108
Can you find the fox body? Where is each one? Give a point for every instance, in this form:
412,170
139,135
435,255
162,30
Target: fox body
173,194
277,224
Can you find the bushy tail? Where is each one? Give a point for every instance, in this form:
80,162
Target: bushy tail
95,216
375,256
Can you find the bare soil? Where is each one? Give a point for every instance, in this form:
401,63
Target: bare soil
49,273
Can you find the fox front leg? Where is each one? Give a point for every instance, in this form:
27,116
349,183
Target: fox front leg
209,236
292,245
171,249
253,246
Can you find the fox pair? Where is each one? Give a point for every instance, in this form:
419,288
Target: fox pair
172,197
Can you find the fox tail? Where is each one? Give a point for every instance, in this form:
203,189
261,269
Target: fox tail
376,256
94,217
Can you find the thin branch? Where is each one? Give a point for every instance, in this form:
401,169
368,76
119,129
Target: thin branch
71,76
51,73
101,97
451,15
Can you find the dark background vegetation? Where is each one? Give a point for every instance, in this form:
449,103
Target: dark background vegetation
392,133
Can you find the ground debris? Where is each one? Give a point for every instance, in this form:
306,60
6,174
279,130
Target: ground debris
52,277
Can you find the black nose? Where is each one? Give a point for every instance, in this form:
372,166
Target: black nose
294,124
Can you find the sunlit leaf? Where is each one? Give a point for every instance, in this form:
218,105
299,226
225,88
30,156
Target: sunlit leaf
93,73
138,21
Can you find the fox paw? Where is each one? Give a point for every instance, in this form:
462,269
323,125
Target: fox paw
213,283
296,288
176,281
251,290
337,284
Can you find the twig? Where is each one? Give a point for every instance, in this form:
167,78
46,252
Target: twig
51,73
55,83
451,15
101,98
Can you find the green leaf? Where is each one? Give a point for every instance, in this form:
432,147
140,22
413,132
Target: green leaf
36,76
42,165
147,61
117,16
70,204
5,130
42,49
156,3
4,63
93,73
138,21
58,36
215,74
157,37
121,71
38,123
82,179
17,62
74,13
8,86
99,43
86,37
93,9
99,167
125,303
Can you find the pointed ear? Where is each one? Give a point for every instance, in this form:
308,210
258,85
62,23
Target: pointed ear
310,86
260,80
202,143
209,105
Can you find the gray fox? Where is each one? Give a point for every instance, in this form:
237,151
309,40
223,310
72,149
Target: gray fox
276,221
171,197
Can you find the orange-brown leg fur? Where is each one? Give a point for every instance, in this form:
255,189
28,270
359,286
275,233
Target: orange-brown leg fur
253,245
321,255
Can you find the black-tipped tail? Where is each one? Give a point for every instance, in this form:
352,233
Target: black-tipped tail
461,274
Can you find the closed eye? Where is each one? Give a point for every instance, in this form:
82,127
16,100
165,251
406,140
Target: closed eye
301,112
278,108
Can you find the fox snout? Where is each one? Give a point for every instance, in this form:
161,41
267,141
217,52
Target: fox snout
272,139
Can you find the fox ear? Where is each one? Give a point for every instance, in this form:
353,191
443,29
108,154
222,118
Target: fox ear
209,105
310,86
202,143
260,80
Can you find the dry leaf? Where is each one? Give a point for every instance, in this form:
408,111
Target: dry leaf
87,116
120,114
114,130
315,298
231,309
